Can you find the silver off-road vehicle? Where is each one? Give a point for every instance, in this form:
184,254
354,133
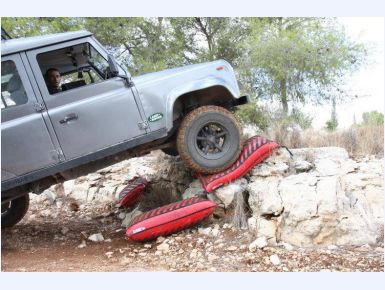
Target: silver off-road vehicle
102,115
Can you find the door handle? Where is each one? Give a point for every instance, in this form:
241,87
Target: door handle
68,118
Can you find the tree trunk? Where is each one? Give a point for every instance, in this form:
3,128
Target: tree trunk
284,102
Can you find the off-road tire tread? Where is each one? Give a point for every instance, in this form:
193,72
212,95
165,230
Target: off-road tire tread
17,213
181,146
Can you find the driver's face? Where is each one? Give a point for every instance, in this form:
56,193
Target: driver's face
54,78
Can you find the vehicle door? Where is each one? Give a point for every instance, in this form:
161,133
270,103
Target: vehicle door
93,111
26,144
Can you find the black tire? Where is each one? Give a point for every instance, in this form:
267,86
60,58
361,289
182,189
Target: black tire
13,211
209,139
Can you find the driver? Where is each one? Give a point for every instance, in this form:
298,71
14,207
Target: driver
53,78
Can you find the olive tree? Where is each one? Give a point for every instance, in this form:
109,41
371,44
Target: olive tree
300,59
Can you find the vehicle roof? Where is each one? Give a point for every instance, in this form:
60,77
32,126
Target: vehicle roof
27,43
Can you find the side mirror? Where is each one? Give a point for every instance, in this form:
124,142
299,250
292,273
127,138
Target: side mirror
114,68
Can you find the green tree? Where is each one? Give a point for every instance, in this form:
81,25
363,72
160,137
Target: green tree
211,38
332,124
33,26
373,118
300,59
253,114
145,44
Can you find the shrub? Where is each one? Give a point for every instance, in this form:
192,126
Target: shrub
372,118
253,114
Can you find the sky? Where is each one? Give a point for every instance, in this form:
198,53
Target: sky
367,83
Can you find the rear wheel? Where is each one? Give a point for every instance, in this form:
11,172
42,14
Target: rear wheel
209,139
13,211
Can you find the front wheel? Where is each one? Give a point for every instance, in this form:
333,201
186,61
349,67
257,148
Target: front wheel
209,139
13,211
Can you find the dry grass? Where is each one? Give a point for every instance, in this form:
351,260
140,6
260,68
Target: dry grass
358,141
239,216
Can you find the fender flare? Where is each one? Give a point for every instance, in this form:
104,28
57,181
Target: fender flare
175,93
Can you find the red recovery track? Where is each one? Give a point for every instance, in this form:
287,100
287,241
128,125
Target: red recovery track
131,193
169,219
255,150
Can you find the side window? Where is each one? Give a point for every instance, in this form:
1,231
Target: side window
12,89
72,67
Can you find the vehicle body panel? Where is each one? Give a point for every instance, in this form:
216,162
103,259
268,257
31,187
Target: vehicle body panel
26,144
158,91
107,113
104,114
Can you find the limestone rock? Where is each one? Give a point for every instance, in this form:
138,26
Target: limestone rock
267,228
340,202
164,247
68,186
318,197
269,168
105,194
130,216
78,191
252,223
274,259
92,193
51,196
303,166
259,243
232,248
204,231
195,189
264,197
226,193
94,176
96,237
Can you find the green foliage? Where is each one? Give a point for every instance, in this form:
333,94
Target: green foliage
252,114
332,124
285,59
33,26
211,38
263,118
144,44
300,59
372,118
296,118
300,118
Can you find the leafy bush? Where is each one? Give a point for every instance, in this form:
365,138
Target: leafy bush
253,114
301,119
372,118
261,116
331,125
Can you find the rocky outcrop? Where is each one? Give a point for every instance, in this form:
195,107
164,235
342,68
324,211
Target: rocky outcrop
319,197
162,171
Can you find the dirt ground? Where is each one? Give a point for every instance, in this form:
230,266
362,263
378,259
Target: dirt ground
54,237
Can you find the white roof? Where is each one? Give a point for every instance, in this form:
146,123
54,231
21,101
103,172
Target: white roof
27,43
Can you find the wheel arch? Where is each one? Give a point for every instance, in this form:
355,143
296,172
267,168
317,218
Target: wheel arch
212,91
